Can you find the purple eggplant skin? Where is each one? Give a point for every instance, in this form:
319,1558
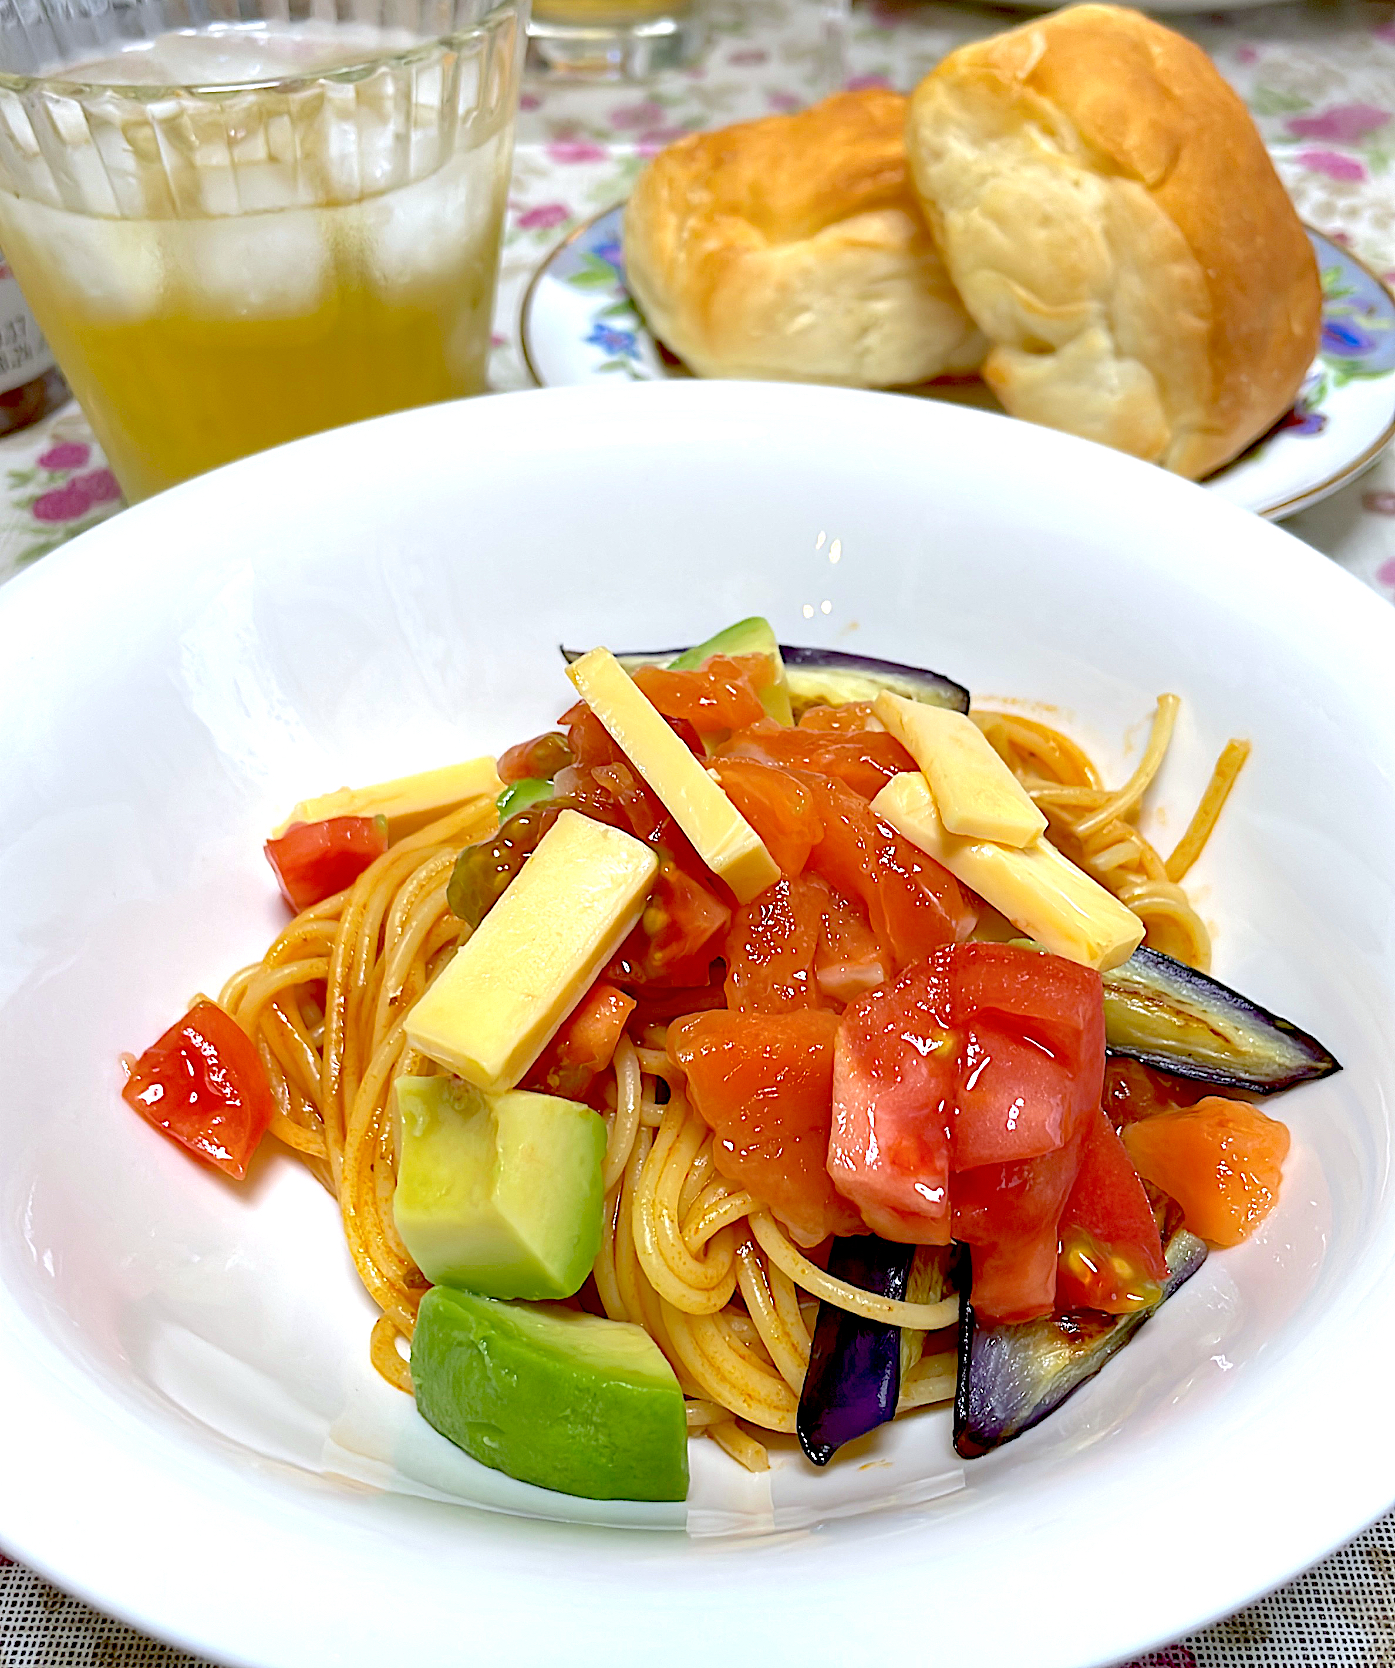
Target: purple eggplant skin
831,675
1012,1377
854,1376
814,674
1171,1017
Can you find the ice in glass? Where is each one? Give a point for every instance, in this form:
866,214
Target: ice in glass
241,233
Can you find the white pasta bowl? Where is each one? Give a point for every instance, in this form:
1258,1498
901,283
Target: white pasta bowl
193,1436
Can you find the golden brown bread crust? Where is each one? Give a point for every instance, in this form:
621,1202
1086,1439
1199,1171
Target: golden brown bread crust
1115,226
794,247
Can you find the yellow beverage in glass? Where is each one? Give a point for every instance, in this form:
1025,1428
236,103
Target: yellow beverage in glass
306,232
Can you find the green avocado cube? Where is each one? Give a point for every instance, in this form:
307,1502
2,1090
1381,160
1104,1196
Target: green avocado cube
753,636
552,1396
498,1193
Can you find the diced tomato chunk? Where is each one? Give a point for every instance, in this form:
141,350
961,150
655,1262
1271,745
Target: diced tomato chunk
913,905
720,695
592,744
1032,1069
203,1084
1221,1160
542,757
584,1046
777,805
956,1090
1009,1213
864,761
762,1083
850,719
895,1071
678,935
315,860
1111,1254
849,961
1133,1090
771,947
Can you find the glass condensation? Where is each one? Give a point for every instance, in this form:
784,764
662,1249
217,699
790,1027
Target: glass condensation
245,223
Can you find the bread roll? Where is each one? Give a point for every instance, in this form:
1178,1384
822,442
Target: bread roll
793,247
1113,223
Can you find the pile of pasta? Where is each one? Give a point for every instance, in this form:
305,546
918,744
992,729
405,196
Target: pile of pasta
695,1260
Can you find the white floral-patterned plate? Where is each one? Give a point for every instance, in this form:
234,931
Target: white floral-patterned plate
580,324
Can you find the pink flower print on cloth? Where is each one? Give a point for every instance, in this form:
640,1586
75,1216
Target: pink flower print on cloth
631,116
72,500
1342,124
67,454
544,217
570,152
1334,164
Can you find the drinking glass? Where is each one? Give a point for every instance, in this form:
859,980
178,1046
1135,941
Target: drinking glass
240,221
611,39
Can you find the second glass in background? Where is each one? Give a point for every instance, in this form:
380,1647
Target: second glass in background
613,40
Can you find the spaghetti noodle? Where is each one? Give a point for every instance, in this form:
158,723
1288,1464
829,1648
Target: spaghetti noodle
694,1259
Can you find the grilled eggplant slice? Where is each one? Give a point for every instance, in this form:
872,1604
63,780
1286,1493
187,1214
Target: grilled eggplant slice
828,677
854,1376
1012,1377
1169,1016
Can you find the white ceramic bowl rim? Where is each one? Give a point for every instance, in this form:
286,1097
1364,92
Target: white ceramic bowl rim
196,1538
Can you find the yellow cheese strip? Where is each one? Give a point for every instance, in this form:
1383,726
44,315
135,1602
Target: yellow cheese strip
409,802
534,956
1042,893
976,794
721,836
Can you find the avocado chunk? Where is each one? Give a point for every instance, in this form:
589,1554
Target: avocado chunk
552,1396
753,636
498,1193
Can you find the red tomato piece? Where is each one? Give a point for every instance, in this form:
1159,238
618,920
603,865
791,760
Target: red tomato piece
678,935
913,905
540,758
862,761
1133,1090
777,805
641,809
955,1091
315,860
894,1078
1032,1062
1221,1160
588,738
1111,1255
771,947
762,1083
203,1084
849,961
1009,1215
850,719
592,744
720,695
584,1046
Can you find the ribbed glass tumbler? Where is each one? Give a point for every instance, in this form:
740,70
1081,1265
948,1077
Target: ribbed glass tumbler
241,221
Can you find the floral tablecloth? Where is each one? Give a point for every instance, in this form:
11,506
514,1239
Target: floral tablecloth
1319,78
